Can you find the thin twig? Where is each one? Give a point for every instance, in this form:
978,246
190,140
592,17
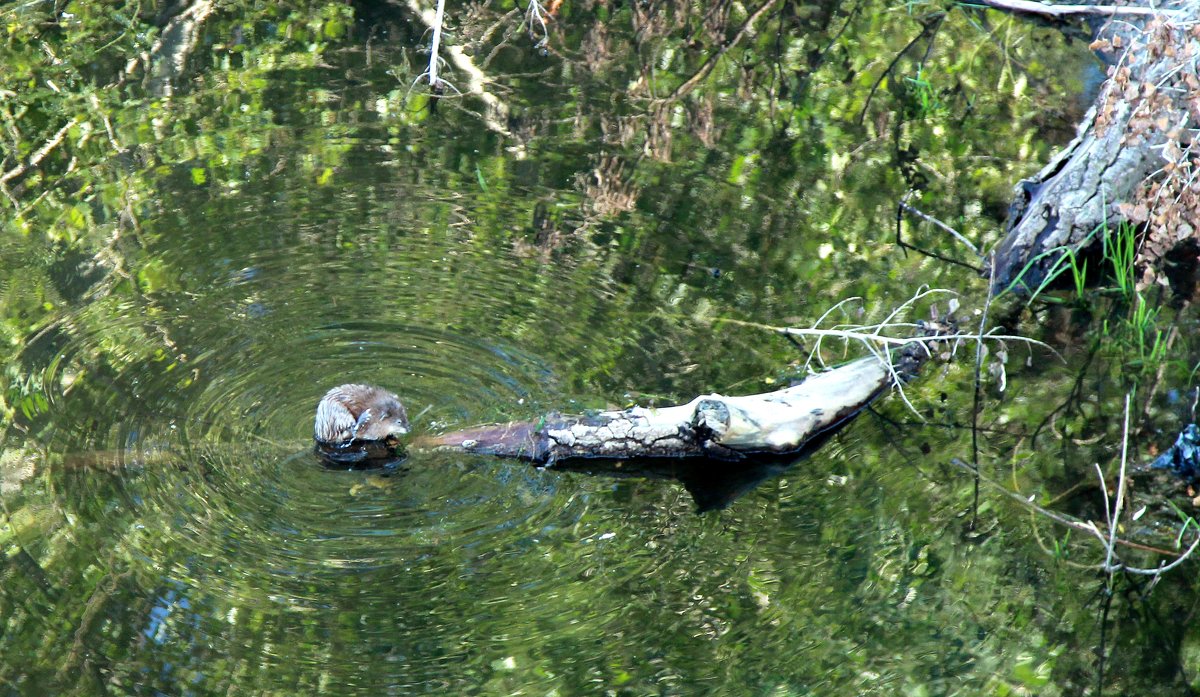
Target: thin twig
535,13
1112,564
975,399
1163,569
921,293
1107,606
925,29
930,219
1115,520
436,84
854,334
1088,527
495,117
874,340
437,42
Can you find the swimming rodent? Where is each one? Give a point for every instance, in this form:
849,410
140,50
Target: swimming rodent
359,425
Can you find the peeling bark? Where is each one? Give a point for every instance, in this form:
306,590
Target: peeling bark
1148,101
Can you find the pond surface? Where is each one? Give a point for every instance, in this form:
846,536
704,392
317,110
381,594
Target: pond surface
299,217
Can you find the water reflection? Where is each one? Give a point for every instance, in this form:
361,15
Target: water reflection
167,530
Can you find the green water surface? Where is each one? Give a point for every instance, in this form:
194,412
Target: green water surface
188,269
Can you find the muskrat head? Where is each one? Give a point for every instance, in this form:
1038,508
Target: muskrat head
359,422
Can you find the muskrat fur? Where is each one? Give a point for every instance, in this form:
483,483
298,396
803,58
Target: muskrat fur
359,425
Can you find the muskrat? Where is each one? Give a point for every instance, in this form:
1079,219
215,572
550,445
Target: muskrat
359,425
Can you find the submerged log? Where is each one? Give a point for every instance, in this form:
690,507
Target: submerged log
711,426
1138,133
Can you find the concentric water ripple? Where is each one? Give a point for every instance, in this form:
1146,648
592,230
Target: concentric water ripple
204,434
182,437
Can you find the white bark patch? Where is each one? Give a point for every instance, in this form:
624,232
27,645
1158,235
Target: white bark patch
562,436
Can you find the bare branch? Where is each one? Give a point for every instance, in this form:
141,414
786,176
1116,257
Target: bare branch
496,116
930,219
1088,527
535,19
434,82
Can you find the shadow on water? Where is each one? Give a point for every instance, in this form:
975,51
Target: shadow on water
713,484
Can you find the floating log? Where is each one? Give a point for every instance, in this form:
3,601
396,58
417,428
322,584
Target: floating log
711,426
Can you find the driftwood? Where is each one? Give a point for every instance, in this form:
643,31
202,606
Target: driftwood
710,426
1141,127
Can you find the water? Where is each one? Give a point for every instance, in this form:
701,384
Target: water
167,530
